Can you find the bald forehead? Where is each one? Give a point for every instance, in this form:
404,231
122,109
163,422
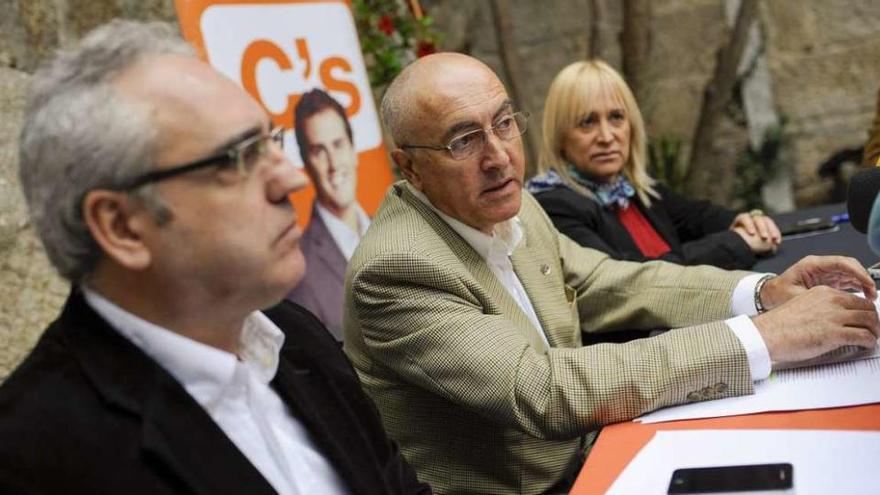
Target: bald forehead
445,66
445,75
439,92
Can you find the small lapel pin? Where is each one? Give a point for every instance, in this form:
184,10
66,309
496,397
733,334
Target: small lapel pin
545,269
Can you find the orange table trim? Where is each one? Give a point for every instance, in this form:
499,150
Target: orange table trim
618,444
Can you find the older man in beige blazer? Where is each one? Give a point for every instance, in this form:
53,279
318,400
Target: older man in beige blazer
464,306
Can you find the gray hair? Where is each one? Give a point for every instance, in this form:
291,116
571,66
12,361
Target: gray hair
80,134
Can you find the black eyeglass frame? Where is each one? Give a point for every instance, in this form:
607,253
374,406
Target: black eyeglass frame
448,148
232,154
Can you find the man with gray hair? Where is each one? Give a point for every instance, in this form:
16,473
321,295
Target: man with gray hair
465,306
159,189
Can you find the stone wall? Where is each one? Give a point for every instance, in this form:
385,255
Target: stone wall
824,60
31,293
825,66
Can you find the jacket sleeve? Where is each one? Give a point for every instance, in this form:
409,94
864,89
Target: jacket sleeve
703,230
326,355
693,219
577,217
725,249
434,328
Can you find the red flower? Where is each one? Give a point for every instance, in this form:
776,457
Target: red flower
425,48
386,25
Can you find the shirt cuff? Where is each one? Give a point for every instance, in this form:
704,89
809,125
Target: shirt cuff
743,300
751,340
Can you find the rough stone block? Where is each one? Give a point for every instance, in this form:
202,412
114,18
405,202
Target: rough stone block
31,293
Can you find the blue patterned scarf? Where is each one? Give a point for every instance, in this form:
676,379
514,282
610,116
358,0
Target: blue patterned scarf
615,193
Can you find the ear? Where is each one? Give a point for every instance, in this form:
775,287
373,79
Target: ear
406,164
117,224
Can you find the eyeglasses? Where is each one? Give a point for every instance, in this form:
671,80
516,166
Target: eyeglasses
472,142
241,158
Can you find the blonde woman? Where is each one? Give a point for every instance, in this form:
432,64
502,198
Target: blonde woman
593,184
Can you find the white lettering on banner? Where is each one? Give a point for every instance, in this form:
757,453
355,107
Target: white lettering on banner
278,52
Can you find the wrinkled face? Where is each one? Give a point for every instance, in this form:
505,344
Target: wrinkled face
481,190
232,238
331,159
598,144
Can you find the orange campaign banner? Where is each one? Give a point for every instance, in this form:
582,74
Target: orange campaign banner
280,50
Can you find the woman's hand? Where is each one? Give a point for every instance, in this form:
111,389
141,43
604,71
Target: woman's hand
755,242
754,226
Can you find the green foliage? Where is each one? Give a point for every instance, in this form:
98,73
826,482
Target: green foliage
755,167
391,37
666,163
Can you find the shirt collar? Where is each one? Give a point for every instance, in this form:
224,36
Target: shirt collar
344,237
494,248
203,370
333,222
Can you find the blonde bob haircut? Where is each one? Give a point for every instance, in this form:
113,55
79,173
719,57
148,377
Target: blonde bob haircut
569,100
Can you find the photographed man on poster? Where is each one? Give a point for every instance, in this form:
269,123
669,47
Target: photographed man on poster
326,146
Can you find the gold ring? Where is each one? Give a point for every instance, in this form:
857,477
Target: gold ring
757,212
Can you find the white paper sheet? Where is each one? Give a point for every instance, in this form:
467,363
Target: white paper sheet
817,387
853,379
825,462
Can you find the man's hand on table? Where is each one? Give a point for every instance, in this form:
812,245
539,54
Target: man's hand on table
840,272
811,314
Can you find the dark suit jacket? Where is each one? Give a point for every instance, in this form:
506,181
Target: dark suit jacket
89,412
320,291
696,231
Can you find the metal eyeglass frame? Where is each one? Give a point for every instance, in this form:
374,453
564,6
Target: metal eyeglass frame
520,118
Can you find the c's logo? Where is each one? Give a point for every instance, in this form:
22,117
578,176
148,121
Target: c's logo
279,51
329,71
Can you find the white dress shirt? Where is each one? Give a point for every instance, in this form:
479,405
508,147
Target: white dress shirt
345,238
235,392
507,235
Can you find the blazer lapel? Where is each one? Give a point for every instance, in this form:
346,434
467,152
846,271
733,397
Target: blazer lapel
508,304
535,272
175,430
325,248
500,300
614,229
313,401
664,227
180,433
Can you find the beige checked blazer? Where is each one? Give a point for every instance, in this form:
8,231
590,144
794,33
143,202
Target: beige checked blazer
465,384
